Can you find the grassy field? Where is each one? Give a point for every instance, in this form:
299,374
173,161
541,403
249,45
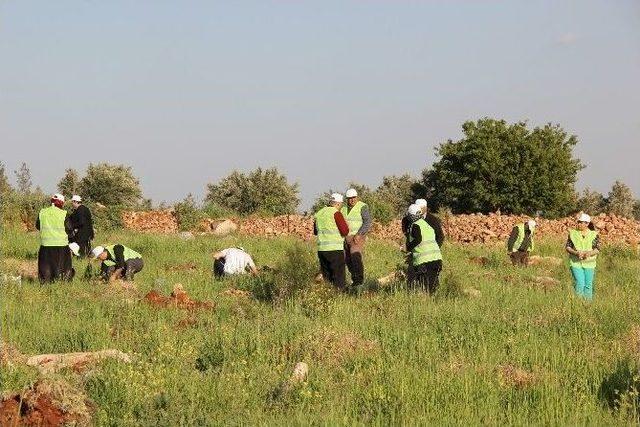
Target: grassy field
517,353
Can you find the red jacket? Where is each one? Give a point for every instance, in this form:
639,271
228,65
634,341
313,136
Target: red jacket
343,227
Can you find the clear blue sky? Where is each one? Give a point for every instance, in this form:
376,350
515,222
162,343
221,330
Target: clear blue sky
328,91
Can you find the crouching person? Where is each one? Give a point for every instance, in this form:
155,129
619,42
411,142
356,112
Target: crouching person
232,261
424,243
118,261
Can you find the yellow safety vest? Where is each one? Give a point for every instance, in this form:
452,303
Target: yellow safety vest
329,238
583,244
128,254
428,249
520,239
52,232
354,217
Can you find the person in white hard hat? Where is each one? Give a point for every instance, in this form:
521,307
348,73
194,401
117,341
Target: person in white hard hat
233,261
426,257
82,225
583,246
331,228
118,261
359,221
521,243
54,255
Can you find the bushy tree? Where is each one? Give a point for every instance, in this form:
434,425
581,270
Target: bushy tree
69,184
620,200
111,185
264,191
506,167
591,202
187,213
398,191
23,179
5,187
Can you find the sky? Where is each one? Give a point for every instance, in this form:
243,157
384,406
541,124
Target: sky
327,91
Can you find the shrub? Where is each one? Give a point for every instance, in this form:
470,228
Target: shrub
450,286
264,191
187,214
106,217
111,185
620,200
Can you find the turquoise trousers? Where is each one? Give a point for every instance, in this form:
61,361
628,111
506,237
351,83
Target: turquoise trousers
583,281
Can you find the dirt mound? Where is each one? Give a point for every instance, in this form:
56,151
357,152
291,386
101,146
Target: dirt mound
26,269
337,347
178,298
512,376
542,260
545,282
47,403
9,355
49,363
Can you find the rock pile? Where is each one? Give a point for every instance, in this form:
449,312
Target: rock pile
162,221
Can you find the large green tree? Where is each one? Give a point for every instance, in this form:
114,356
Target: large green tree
264,191
69,183
507,167
111,185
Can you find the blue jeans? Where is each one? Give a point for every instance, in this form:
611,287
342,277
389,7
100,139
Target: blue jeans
583,281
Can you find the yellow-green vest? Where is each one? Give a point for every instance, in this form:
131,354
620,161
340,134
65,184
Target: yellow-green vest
52,232
520,239
128,254
428,249
329,238
354,217
583,244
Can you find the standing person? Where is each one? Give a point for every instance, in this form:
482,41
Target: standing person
331,228
82,225
233,261
359,221
520,243
424,242
583,246
118,261
54,255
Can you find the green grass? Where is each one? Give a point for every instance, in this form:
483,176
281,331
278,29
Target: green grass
384,357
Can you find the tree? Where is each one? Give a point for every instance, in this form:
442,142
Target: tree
69,183
591,202
506,167
620,200
111,185
264,191
398,191
5,187
23,179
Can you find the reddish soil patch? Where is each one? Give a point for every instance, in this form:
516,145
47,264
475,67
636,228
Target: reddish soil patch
178,298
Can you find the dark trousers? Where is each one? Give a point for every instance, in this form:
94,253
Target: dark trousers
355,265
332,264
426,276
85,247
218,268
54,263
520,258
132,266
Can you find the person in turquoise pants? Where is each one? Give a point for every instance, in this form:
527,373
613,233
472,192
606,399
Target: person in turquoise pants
583,247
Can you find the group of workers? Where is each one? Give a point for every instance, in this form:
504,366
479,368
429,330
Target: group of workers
341,229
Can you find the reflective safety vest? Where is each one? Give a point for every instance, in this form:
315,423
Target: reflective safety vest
52,232
582,244
329,238
128,254
354,217
428,249
520,239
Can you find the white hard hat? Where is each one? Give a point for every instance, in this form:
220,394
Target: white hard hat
422,203
76,198
584,218
337,198
75,248
58,196
97,251
532,224
351,193
414,209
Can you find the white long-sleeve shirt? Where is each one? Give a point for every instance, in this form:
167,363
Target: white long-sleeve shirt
236,261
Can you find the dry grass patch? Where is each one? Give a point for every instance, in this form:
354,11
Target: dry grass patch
337,347
513,376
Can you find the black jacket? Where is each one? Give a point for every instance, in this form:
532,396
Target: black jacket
82,222
416,236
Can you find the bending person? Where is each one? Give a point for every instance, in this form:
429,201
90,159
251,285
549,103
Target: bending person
233,261
118,261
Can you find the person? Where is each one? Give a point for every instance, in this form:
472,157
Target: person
406,222
82,225
118,261
359,220
232,261
520,243
423,243
331,228
583,246
54,255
